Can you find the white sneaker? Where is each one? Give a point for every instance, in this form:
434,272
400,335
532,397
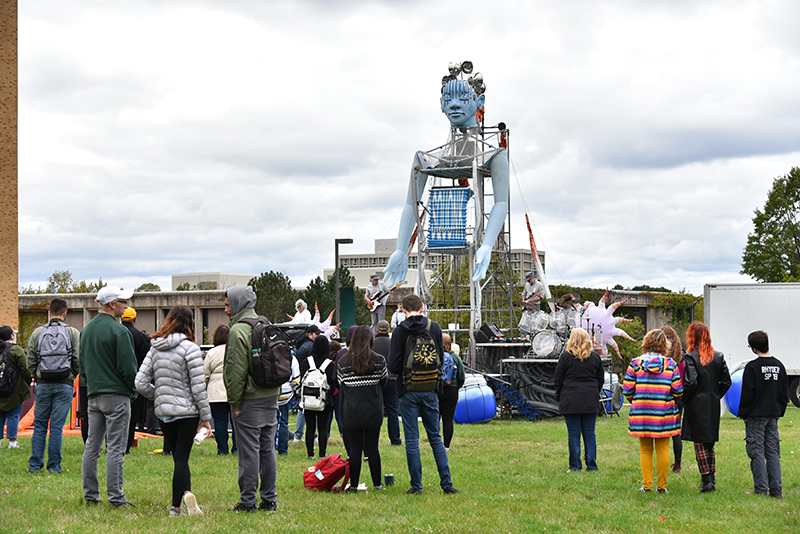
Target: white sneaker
191,504
13,445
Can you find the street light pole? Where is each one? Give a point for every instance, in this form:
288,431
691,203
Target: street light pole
341,241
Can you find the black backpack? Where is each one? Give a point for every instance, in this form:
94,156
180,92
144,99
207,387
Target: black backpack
9,375
271,357
422,369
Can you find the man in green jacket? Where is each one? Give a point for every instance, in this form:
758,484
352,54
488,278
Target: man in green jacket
108,365
254,409
54,368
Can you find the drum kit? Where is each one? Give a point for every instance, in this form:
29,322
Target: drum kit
548,332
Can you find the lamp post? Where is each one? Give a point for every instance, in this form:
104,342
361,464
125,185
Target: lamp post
340,241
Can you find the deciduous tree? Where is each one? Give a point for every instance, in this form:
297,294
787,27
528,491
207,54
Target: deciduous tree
148,287
772,253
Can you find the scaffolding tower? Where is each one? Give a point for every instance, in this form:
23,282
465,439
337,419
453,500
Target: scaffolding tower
461,184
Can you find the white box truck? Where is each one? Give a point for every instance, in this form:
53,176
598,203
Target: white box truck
732,311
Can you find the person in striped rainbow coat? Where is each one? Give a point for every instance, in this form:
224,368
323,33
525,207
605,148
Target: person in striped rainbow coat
652,384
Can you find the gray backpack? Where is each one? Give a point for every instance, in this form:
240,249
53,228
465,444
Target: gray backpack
55,352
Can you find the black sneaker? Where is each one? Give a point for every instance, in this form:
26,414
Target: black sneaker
241,507
413,491
268,506
662,490
450,491
92,502
120,505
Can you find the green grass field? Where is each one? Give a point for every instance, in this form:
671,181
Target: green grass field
511,475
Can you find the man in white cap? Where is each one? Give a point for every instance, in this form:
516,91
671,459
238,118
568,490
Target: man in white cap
108,365
376,293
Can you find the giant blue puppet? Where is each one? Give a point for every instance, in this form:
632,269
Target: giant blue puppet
462,99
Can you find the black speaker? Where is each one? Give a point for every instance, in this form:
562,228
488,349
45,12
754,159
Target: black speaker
488,332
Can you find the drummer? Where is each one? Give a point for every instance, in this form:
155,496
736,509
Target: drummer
568,306
533,293
566,302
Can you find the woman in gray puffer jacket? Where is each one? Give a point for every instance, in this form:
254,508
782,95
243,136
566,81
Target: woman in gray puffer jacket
172,375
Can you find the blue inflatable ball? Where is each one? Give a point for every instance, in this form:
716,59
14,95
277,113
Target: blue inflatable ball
476,404
734,394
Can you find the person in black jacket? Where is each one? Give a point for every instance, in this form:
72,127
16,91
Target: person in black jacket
381,345
448,399
414,404
765,394
317,421
579,380
361,374
705,381
141,345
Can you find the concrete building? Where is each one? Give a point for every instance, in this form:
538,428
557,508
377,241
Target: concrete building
151,309
205,281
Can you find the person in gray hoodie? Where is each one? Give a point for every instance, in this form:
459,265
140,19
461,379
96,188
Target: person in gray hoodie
172,375
254,409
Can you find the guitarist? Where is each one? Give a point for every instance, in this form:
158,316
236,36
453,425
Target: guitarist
533,293
376,293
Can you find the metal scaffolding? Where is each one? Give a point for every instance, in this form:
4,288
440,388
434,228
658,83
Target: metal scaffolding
451,294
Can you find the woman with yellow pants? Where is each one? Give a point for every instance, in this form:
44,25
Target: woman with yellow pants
652,384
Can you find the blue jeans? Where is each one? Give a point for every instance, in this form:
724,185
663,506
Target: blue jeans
221,414
52,406
581,424
426,405
283,429
764,450
390,402
10,418
301,424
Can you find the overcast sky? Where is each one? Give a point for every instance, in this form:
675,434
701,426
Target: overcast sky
246,135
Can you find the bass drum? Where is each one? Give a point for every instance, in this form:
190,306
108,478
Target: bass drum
547,344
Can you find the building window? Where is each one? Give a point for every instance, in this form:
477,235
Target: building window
374,261
344,263
364,262
383,261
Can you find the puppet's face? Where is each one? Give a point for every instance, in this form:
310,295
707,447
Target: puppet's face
460,103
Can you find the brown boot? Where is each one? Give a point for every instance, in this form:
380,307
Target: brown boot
676,468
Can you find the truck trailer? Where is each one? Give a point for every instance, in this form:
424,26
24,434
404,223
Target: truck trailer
732,311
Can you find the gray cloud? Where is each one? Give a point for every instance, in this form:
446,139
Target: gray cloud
245,136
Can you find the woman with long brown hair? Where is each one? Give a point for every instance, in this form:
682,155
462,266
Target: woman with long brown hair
578,380
361,374
675,353
172,375
706,380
